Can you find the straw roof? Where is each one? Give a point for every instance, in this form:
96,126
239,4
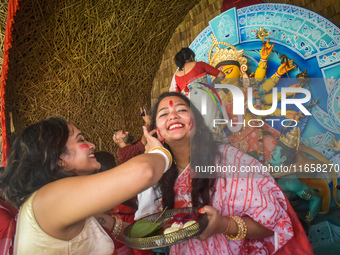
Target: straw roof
3,16
195,21
92,62
96,62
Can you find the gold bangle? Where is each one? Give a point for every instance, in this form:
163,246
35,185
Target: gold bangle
263,64
275,78
166,153
242,229
117,227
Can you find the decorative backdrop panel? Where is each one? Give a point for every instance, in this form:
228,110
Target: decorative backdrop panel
312,42
308,38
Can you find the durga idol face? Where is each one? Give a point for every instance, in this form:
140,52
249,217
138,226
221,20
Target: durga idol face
232,74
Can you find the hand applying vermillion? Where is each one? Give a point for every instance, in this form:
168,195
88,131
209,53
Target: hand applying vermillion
151,142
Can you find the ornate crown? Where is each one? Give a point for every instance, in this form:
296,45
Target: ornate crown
292,138
220,55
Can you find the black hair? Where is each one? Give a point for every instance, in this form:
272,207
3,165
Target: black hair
182,56
106,160
33,159
204,150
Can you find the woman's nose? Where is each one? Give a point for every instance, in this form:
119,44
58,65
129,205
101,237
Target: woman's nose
173,115
92,146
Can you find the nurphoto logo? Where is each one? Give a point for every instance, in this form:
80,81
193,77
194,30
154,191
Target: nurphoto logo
239,106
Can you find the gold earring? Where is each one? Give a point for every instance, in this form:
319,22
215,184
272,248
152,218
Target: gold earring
63,164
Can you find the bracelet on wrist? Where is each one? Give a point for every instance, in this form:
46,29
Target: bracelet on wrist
117,228
166,154
242,229
278,75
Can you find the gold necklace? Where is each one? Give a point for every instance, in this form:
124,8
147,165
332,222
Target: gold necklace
181,167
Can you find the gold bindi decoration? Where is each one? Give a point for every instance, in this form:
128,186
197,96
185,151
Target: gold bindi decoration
292,138
220,55
261,33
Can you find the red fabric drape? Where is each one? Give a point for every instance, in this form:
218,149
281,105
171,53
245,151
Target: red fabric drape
228,4
13,6
7,227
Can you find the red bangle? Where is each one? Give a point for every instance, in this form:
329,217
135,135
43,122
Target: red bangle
225,231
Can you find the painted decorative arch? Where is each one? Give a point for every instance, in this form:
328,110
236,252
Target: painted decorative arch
305,36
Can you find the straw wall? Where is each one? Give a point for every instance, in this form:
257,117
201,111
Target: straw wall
193,24
3,16
95,62
92,62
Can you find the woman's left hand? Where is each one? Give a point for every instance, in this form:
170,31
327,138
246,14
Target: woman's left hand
216,222
151,141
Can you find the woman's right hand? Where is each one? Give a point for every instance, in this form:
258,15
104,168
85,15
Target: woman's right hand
151,142
216,222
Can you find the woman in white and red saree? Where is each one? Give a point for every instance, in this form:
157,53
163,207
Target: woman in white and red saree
247,211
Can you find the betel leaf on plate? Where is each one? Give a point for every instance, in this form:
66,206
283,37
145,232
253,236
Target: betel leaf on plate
266,132
143,228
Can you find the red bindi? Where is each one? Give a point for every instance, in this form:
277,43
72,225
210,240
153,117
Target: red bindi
171,103
83,146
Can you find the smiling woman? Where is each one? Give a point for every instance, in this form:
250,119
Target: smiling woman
173,119
48,177
241,219
79,155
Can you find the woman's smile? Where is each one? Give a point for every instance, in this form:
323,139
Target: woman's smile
175,125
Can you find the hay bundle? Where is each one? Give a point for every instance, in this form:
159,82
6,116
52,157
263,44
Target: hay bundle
3,18
92,62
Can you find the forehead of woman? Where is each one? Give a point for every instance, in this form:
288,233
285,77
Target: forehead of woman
72,129
170,102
